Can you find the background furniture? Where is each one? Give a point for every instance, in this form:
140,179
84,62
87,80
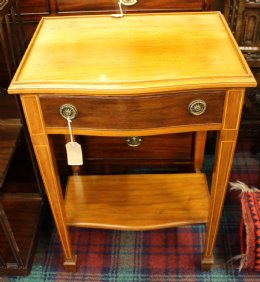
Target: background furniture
168,87
20,197
243,17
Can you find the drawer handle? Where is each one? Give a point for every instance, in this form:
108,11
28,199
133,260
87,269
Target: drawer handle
197,107
134,141
68,111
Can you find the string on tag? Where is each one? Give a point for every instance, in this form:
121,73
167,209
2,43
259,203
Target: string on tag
124,2
121,11
73,149
71,136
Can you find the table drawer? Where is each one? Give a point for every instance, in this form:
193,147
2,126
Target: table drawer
109,155
133,112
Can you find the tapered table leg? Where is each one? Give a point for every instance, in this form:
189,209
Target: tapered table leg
47,164
225,148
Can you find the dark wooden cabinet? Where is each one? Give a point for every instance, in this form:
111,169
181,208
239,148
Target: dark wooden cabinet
106,6
243,17
21,197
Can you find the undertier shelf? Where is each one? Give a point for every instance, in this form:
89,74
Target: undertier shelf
138,201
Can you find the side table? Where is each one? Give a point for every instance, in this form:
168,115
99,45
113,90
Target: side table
138,75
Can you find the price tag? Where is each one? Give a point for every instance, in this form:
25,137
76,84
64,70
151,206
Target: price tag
73,149
74,153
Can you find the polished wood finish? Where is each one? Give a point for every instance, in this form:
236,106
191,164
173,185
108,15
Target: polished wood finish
118,148
106,155
157,153
145,202
47,165
158,67
226,144
110,76
160,111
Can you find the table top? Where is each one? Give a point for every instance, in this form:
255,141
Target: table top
139,53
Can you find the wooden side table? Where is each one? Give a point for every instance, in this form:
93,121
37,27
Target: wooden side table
134,76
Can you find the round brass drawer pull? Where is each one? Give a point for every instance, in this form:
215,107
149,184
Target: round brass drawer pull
68,111
197,107
134,141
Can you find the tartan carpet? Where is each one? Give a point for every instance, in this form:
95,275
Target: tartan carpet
172,254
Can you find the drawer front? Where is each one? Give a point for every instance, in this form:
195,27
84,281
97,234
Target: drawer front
174,147
133,113
167,146
109,155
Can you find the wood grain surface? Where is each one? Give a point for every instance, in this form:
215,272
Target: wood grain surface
134,54
133,113
137,202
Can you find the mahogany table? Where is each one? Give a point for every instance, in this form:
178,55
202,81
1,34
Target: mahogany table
139,75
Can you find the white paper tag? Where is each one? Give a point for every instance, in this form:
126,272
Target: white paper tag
74,153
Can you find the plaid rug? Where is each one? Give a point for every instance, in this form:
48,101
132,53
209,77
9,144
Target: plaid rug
160,255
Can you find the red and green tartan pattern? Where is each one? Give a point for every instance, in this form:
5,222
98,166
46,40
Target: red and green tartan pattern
105,255
160,255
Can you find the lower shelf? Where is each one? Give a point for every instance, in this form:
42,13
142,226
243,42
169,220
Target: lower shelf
137,202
